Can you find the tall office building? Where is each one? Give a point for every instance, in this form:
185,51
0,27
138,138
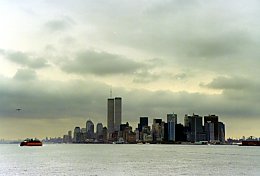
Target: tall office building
70,136
213,119
221,132
99,129
90,129
157,130
77,135
143,123
118,113
194,126
171,123
114,114
110,115
209,129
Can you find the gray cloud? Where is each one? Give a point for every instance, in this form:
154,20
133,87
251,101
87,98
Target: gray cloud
73,99
235,83
25,74
145,76
214,36
100,63
180,76
241,90
47,101
59,25
25,59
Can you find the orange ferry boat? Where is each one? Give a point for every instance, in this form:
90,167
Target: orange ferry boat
31,142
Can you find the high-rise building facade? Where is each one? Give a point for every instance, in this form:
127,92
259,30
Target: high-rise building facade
70,136
118,113
213,119
99,129
114,114
90,129
171,122
157,130
143,123
77,135
209,130
195,129
221,132
110,115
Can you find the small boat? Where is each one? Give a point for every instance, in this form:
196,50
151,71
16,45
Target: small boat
201,143
31,142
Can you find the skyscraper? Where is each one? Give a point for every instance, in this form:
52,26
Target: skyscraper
110,115
209,129
76,136
213,119
157,130
171,121
194,126
90,129
221,132
99,129
114,114
118,113
143,123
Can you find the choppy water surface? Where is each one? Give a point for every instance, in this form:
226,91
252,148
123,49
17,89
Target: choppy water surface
109,159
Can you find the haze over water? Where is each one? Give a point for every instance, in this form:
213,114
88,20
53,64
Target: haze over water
59,59
108,159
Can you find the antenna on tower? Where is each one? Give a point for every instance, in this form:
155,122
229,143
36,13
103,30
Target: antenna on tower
111,92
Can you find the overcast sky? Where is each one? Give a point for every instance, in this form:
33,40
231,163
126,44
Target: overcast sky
59,60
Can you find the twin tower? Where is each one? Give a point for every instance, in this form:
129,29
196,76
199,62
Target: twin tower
114,114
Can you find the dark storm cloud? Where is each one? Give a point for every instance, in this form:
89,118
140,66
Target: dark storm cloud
25,59
101,63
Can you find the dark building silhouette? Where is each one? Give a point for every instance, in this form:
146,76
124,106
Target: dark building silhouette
166,136
143,123
212,119
77,135
221,132
194,128
89,129
105,134
180,133
159,121
110,115
114,115
118,113
157,130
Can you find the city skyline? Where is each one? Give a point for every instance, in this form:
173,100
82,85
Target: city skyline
192,131
59,61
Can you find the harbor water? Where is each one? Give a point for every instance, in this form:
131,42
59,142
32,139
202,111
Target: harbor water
129,159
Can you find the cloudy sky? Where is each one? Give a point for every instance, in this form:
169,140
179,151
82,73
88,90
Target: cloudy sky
59,60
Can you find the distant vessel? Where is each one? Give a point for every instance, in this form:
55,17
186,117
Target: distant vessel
201,143
31,142
250,143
